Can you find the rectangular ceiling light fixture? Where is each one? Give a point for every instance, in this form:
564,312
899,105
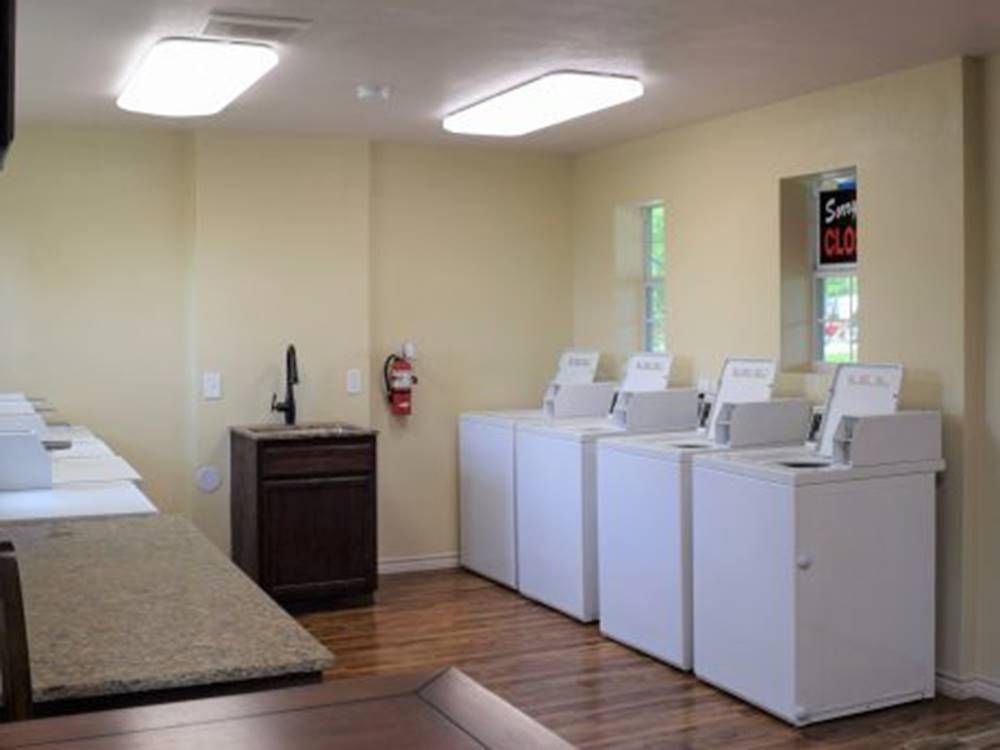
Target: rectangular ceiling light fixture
548,100
192,77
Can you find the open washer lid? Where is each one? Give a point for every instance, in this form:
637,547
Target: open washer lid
646,372
858,391
577,366
742,380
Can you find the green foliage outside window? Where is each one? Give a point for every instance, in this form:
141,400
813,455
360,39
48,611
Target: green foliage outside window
654,252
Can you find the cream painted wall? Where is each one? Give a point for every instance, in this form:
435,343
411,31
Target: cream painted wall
471,260
211,251
280,256
720,183
136,261
92,236
987,545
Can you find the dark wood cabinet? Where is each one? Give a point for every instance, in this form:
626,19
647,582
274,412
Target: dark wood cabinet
303,511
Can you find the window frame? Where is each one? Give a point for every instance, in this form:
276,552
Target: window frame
819,275
650,281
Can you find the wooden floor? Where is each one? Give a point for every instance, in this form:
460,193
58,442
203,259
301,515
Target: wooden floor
593,692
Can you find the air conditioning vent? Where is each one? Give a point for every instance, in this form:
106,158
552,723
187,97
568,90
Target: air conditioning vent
253,28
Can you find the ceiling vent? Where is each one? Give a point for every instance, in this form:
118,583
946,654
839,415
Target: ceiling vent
253,28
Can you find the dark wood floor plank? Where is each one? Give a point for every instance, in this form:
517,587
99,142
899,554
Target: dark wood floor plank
593,692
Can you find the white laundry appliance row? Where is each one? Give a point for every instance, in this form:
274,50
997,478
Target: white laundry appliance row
49,468
799,578
644,508
488,452
556,481
487,460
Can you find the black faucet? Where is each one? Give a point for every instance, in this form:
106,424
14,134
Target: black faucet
287,407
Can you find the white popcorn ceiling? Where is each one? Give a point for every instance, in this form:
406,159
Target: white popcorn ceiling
698,58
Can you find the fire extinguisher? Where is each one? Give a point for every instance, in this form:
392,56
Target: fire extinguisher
399,381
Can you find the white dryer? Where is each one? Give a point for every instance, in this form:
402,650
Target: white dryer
814,566
644,509
487,462
557,485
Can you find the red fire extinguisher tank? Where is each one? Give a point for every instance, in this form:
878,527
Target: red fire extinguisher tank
399,381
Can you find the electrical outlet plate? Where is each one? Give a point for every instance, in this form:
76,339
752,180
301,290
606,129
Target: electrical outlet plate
354,380
211,386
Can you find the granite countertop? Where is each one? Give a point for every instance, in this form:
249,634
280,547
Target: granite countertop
307,430
127,604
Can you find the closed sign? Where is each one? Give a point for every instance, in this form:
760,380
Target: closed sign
838,227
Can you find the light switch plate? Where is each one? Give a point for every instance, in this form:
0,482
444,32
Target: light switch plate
211,386
354,380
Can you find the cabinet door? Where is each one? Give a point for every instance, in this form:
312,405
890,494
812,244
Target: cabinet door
318,536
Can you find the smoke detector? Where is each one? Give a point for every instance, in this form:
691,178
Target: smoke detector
246,27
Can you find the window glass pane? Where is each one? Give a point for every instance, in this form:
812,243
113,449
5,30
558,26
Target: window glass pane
835,297
655,302
656,336
654,258
838,307
657,242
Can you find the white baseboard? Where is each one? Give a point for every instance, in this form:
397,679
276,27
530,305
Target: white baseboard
412,563
968,687
953,686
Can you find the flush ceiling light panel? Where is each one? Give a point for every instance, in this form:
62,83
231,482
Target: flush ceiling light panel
539,103
193,77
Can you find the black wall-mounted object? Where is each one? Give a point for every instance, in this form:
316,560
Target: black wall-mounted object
8,26
838,227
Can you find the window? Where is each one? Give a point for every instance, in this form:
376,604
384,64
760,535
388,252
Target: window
835,276
837,323
819,270
654,251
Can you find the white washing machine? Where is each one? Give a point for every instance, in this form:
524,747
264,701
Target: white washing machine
557,485
30,421
25,464
644,509
487,463
21,414
814,567
14,407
